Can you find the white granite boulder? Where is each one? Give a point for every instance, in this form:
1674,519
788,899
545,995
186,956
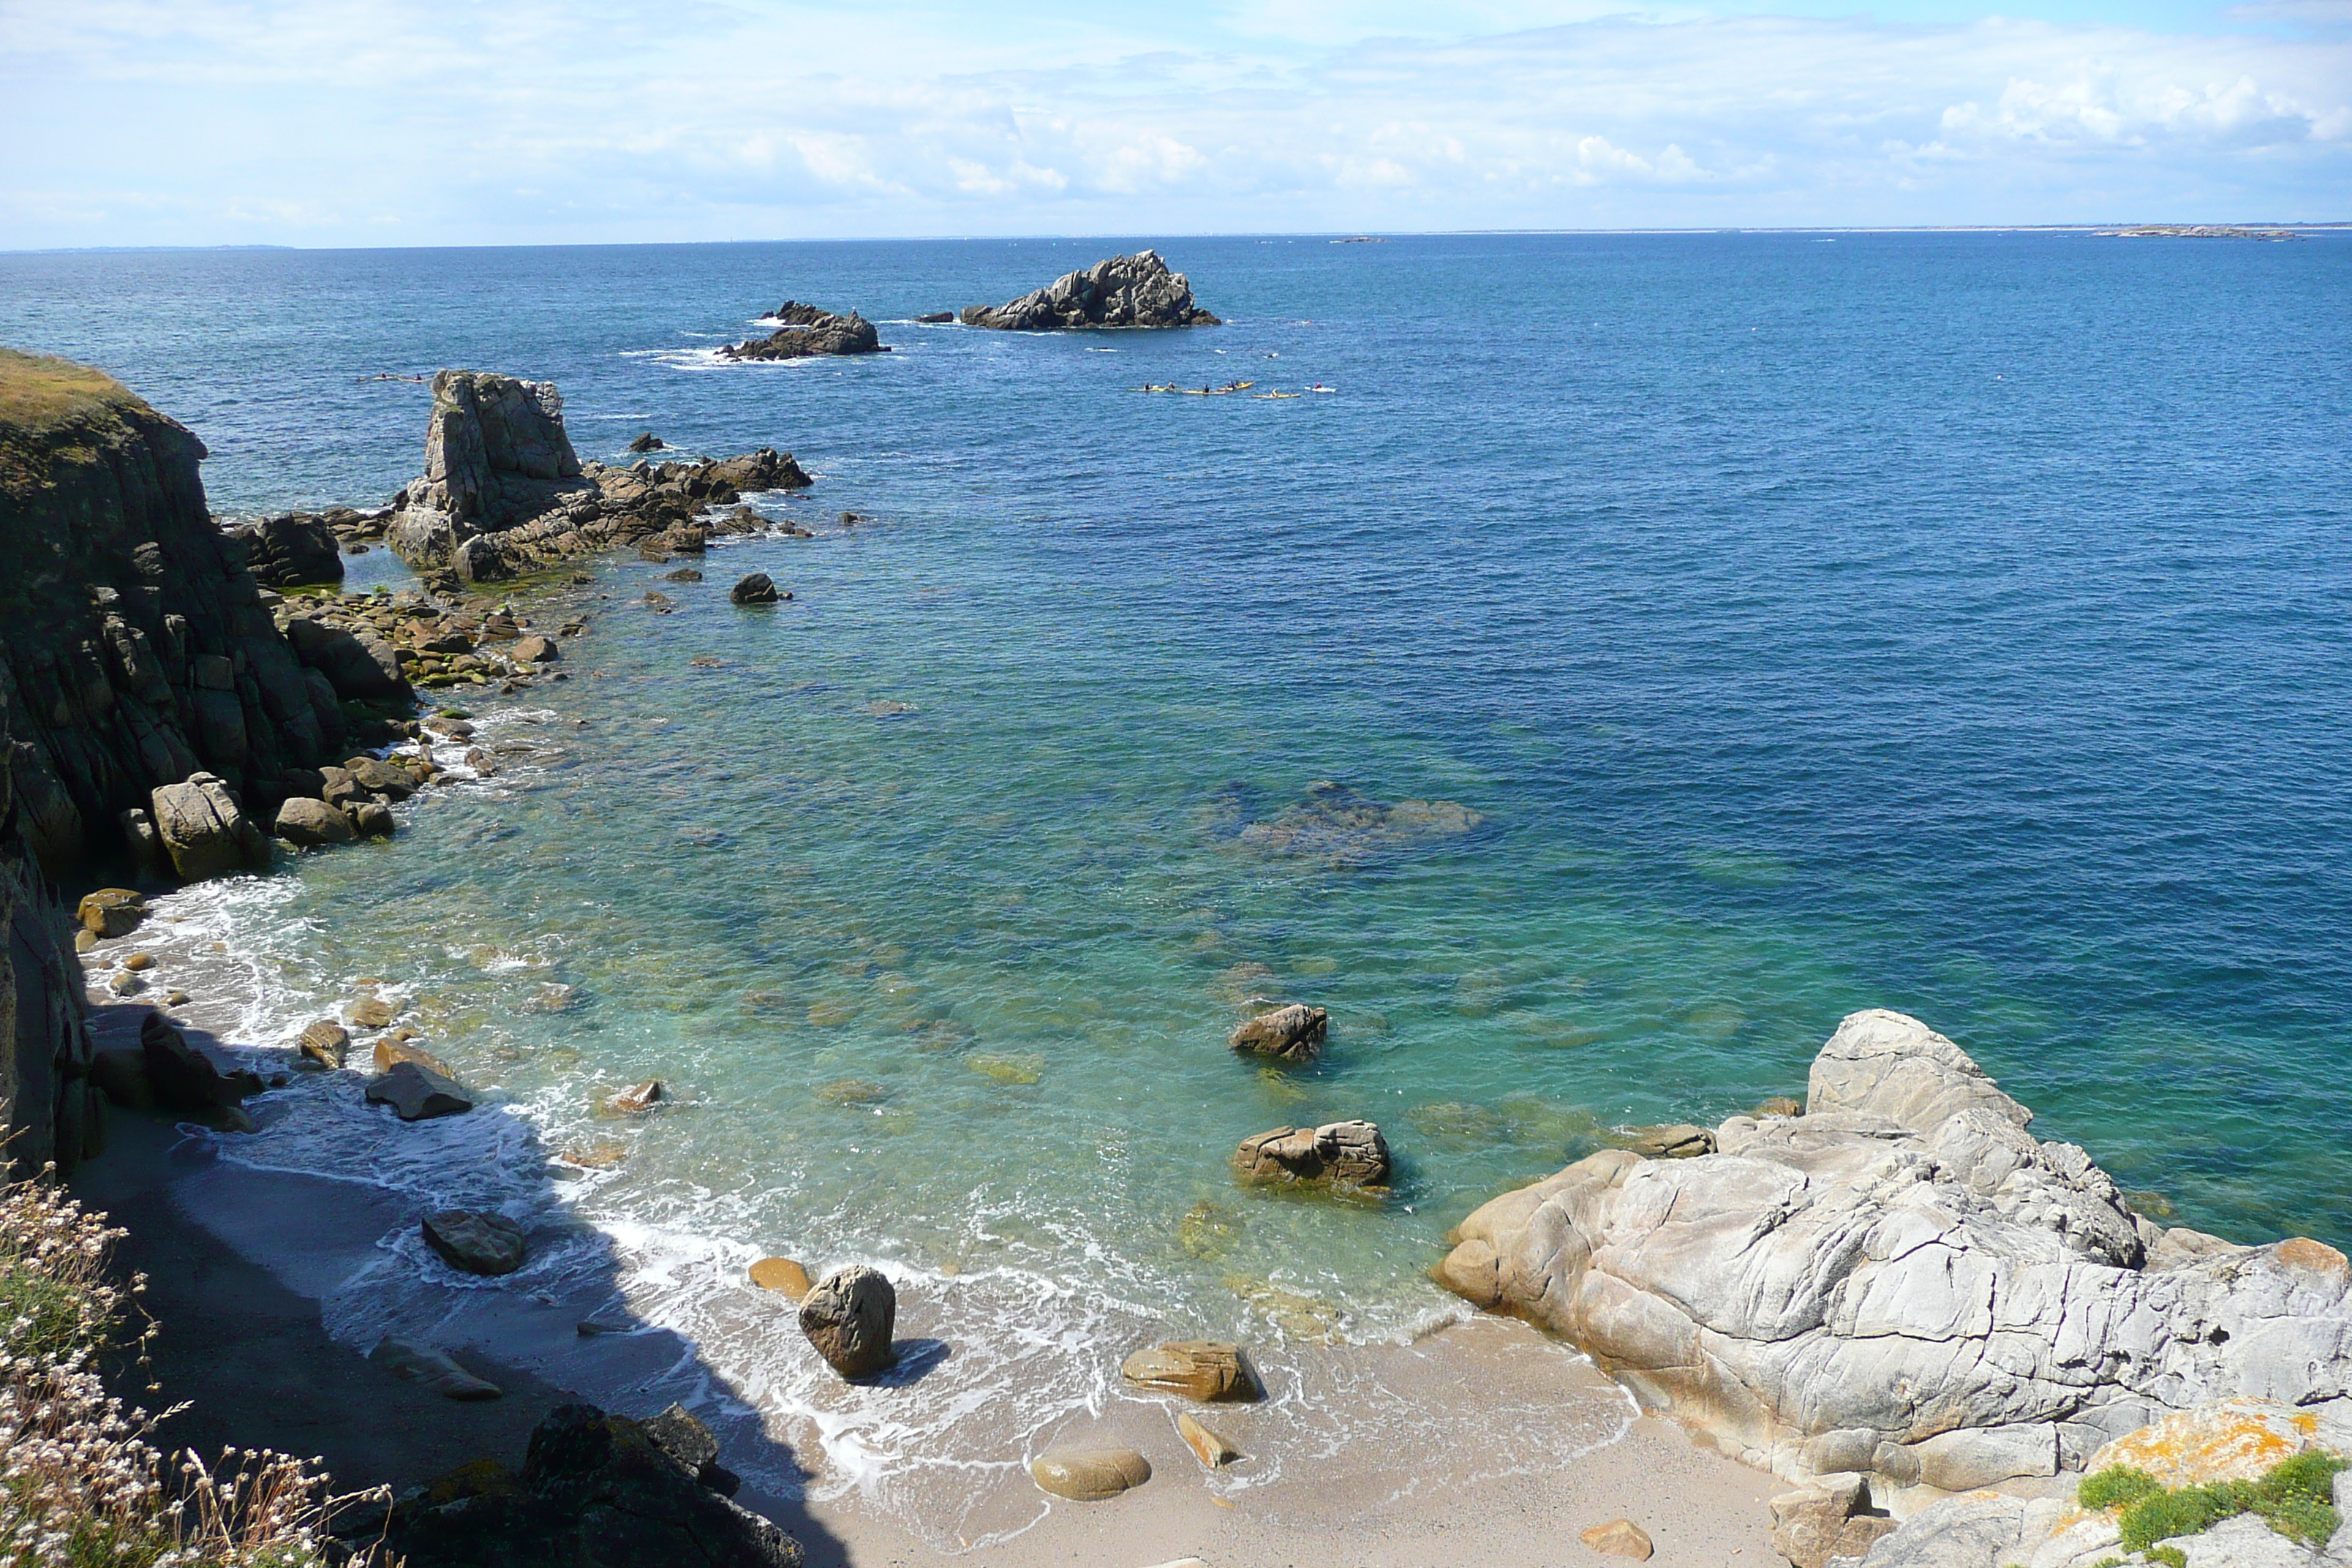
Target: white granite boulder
1902,1282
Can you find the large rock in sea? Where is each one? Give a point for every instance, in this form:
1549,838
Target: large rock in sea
1902,1282
138,649
1294,1032
1339,1153
804,331
1124,291
504,493
849,1316
594,1491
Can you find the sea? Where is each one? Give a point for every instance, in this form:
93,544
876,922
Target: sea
1641,652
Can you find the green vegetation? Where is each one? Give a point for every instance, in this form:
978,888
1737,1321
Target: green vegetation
81,1486
41,393
2294,1499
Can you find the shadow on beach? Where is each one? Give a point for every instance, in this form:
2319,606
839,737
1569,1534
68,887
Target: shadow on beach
244,1270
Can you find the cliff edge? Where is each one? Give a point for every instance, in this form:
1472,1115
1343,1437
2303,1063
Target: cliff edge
135,649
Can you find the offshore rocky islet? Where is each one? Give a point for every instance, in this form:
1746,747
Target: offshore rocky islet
1832,1041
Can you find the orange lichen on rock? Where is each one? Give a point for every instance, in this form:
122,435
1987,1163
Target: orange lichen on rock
2313,1256
2236,1440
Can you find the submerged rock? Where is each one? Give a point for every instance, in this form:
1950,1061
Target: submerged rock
1903,1281
1205,1369
1342,1153
782,1275
1346,827
849,1317
1090,1474
1136,290
1294,1032
594,1491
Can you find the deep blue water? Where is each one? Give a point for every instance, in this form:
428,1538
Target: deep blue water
1954,623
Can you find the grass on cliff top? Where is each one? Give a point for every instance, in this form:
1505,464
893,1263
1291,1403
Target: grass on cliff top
2294,1498
41,393
53,411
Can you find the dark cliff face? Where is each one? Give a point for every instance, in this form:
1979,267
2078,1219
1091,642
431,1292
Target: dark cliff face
135,649
48,1108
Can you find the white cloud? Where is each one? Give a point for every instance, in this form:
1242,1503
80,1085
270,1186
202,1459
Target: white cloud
333,121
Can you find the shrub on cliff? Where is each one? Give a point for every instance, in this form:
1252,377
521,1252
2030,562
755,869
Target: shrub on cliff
2294,1498
81,1485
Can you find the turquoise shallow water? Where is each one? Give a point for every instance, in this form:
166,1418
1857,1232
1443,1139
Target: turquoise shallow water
1944,623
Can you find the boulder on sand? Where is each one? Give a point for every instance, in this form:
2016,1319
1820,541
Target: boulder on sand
1294,1032
1833,1520
1205,1369
1090,1474
1343,1153
204,831
1904,1282
1122,291
182,1077
475,1241
1619,1538
849,1316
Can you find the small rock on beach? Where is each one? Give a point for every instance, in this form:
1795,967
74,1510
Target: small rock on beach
1619,1538
422,1365
1205,1369
849,1317
1090,1474
1212,1449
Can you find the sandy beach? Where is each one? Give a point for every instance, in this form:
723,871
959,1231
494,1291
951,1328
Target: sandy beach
238,1262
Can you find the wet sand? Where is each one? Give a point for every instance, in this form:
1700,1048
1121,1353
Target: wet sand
239,1261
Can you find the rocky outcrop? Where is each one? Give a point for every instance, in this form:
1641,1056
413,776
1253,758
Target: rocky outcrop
594,1491
849,1317
1341,1154
293,549
1903,1281
504,493
758,588
135,648
803,330
1124,291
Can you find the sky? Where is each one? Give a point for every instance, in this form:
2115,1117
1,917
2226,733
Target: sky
376,122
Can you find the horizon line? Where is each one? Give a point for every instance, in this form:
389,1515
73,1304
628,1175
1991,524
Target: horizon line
2104,226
